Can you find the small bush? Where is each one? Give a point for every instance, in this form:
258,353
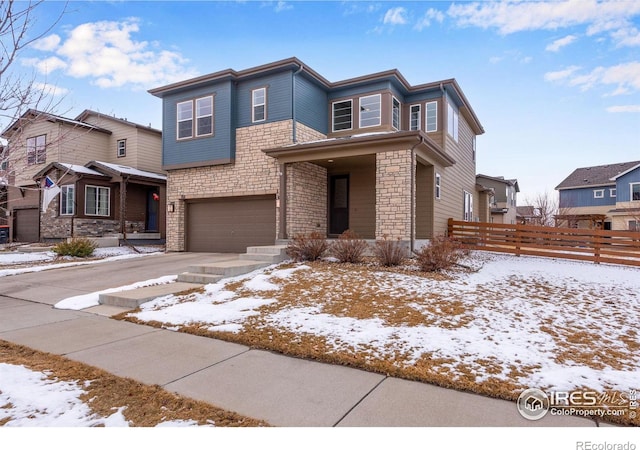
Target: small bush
389,253
349,247
79,247
307,247
441,253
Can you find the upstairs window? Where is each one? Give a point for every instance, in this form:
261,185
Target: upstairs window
67,200
468,207
473,148
342,115
258,104
185,120
370,111
395,113
438,186
37,150
122,148
635,191
598,193
432,117
612,192
452,122
204,116
415,117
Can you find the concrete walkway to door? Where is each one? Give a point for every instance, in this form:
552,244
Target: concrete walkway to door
281,390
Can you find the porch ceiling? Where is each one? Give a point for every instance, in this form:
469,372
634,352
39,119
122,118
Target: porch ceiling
359,145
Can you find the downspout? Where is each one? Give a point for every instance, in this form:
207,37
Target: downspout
123,207
293,104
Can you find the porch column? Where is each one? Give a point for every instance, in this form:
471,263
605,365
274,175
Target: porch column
394,195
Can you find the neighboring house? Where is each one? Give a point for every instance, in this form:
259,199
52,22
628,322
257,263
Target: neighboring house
528,215
267,153
606,197
109,171
503,206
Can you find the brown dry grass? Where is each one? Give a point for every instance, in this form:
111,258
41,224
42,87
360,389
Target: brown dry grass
146,406
336,293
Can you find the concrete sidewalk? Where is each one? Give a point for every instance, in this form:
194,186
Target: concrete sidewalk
281,390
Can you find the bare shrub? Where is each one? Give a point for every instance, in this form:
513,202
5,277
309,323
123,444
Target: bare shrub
441,253
349,247
389,252
307,247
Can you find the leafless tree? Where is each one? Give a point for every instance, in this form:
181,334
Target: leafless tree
19,28
545,205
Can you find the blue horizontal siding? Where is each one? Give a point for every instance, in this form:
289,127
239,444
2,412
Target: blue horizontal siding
218,146
311,105
279,105
574,198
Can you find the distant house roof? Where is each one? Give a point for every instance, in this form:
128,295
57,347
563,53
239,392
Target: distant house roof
120,170
100,169
33,115
526,211
597,175
87,112
67,168
509,182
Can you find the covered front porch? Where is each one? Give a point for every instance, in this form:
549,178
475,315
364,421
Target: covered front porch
375,185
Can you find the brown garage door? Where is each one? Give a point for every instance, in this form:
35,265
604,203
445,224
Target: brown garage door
26,227
230,224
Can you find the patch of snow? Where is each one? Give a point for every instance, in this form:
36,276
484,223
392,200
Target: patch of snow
11,258
83,301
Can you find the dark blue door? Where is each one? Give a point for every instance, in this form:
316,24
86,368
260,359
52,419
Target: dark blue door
153,202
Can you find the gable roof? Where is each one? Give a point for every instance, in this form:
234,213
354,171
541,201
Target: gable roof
33,115
597,175
120,170
294,64
67,168
87,112
500,179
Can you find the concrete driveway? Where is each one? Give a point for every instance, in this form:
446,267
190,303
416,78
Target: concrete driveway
51,286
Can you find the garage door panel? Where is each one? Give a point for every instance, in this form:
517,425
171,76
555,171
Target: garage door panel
231,224
26,225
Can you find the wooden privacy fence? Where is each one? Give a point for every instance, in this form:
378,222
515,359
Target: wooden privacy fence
598,246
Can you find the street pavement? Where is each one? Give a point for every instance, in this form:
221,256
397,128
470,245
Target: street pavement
281,390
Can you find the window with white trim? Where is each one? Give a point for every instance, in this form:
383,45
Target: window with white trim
122,148
438,186
67,200
395,113
37,149
468,206
97,200
635,191
634,225
370,111
613,192
598,193
415,118
452,122
185,120
473,148
204,116
342,115
432,117
259,105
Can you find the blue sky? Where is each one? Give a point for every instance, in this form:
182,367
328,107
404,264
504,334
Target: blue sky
556,85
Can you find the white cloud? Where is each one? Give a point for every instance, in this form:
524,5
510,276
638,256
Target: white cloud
395,16
48,43
51,90
624,109
107,53
45,65
510,17
283,6
496,59
559,43
429,16
624,77
561,74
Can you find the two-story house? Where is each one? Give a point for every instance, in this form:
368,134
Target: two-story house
503,207
108,170
606,197
263,154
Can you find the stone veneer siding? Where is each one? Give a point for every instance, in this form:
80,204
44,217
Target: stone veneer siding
394,198
252,173
306,199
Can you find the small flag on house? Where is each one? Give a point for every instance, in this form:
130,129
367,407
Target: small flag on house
50,190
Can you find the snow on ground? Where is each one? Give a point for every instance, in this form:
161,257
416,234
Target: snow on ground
553,324
29,260
34,399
